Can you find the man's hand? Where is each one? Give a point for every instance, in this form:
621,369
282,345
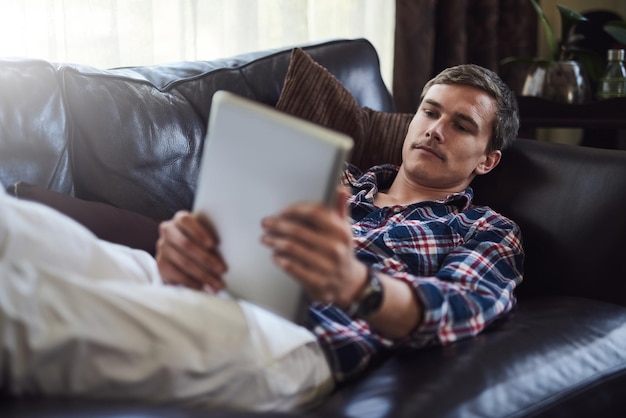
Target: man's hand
187,253
313,244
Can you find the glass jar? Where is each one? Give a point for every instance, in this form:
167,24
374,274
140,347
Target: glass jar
613,82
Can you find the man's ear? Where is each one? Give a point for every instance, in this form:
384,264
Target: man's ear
489,163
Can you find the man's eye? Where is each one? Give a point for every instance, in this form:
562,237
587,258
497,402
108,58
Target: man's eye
461,127
429,113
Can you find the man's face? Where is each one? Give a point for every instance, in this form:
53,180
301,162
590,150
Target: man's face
446,144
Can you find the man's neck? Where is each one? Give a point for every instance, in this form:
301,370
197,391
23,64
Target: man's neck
402,192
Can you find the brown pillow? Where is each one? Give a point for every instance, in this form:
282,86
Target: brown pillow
107,222
311,92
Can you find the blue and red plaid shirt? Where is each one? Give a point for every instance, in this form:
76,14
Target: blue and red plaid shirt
462,261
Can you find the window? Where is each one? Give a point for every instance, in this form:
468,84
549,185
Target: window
112,33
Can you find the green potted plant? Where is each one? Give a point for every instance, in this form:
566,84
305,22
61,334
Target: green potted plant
563,75
617,30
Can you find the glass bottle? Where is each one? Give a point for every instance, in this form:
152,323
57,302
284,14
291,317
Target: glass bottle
613,82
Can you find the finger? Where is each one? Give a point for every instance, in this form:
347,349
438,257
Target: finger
197,229
341,202
177,267
300,252
314,284
177,236
323,219
307,221
293,229
208,226
171,275
185,253
302,240
314,216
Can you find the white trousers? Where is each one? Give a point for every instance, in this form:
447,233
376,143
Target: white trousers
84,317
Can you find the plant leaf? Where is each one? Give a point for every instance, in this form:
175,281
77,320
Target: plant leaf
617,30
575,37
553,47
569,18
525,60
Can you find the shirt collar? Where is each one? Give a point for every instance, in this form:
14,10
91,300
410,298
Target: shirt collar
366,184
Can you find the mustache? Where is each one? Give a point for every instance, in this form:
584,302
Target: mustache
430,147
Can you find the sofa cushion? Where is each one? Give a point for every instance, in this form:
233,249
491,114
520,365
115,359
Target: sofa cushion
311,92
553,357
105,221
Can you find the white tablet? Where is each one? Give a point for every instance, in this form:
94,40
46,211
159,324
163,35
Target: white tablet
256,161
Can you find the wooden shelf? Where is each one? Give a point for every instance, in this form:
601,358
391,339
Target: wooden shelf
601,114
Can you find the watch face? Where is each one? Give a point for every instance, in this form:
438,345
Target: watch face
372,297
372,302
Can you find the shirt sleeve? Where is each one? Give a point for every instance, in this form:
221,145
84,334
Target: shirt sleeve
350,345
473,286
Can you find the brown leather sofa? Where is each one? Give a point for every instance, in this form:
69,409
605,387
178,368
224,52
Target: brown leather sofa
131,138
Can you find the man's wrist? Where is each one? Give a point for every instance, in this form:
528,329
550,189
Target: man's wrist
370,298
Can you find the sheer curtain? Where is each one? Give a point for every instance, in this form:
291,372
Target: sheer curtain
112,33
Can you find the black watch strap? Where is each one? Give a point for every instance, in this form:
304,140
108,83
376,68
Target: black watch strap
371,298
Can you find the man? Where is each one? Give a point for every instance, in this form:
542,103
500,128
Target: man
411,263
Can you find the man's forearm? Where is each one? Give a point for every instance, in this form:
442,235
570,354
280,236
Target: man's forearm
400,312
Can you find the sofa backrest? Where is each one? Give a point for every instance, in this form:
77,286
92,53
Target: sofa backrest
570,203
132,137
34,129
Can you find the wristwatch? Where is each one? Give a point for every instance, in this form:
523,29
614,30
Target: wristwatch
371,298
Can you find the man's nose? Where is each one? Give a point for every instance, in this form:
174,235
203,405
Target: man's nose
435,131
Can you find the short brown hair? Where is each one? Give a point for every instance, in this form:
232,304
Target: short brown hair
506,121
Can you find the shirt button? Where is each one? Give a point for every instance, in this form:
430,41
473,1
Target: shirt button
397,209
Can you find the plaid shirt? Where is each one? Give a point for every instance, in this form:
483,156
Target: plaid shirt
462,261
